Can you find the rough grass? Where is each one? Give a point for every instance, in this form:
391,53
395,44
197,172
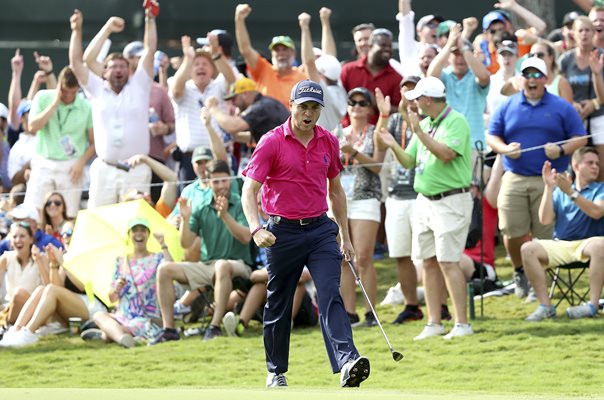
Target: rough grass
507,358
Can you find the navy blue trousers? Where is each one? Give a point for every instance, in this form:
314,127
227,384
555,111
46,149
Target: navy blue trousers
315,247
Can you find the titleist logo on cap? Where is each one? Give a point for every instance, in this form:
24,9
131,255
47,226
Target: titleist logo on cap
310,89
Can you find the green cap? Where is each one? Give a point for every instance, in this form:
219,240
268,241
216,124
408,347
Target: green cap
284,40
138,221
201,153
444,27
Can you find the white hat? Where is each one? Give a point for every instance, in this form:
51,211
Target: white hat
25,211
317,51
534,62
430,87
134,49
3,111
329,66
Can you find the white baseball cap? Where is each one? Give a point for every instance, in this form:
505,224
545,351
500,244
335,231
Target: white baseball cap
329,66
534,62
25,211
430,87
3,111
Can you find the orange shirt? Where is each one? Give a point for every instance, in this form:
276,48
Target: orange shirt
270,83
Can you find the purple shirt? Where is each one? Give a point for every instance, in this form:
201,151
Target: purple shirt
294,177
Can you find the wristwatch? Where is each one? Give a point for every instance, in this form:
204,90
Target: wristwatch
574,195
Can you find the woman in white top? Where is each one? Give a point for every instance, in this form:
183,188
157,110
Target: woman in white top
22,269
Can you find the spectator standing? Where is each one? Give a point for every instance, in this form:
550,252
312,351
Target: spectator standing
19,158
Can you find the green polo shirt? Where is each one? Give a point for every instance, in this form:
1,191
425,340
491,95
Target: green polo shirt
432,176
217,243
65,136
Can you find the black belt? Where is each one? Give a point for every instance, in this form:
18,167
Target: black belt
303,221
442,195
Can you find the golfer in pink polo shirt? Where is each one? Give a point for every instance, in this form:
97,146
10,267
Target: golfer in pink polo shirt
297,164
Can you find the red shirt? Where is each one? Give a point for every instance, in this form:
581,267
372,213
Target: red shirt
489,224
294,177
355,74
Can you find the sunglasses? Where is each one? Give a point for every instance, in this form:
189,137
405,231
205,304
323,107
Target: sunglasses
537,54
67,233
361,103
57,203
535,75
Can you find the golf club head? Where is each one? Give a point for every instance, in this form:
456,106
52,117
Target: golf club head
397,356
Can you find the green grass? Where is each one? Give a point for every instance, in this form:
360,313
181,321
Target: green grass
507,358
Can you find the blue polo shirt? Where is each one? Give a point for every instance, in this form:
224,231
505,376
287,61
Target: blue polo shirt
551,120
571,222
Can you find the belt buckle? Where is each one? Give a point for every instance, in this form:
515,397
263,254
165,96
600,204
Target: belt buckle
302,223
276,219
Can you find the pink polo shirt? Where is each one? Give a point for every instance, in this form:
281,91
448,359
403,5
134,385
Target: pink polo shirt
294,177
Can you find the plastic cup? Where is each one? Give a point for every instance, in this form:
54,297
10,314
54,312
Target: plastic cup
74,325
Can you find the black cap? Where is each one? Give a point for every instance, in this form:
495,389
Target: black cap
224,40
570,17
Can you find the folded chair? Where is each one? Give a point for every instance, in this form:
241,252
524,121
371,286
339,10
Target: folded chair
566,278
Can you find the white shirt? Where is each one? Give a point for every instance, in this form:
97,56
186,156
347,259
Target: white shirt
21,153
28,278
494,97
336,101
120,121
190,131
408,47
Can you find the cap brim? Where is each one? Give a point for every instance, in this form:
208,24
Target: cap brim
412,94
229,96
306,99
288,45
202,41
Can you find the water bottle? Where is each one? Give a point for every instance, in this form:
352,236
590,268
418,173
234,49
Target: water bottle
153,116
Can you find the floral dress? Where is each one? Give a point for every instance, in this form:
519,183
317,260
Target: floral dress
138,298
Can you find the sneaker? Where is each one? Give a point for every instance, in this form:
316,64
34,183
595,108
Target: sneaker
542,312
531,297
394,296
90,324
445,315
459,330
53,328
370,319
21,338
211,333
585,310
230,323
127,341
408,315
240,328
522,284
166,335
354,372
92,334
194,332
181,309
8,336
276,380
430,330
354,319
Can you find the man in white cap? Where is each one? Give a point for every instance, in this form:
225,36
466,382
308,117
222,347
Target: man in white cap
530,128
441,154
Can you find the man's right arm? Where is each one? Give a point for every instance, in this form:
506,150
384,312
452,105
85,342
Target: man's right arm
406,33
546,207
76,60
250,55
177,88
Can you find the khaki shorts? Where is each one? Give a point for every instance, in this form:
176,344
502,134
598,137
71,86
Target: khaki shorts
399,221
440,227
201,274
518,205
561,252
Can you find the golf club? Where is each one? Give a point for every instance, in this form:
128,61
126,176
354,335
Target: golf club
395,354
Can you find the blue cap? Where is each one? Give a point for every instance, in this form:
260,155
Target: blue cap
304,91
157,57
23,108
491,17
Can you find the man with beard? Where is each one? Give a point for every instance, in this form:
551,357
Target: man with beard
527,129
219,222
120,109
274,80
374,71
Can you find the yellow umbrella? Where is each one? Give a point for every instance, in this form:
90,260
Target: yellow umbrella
101,234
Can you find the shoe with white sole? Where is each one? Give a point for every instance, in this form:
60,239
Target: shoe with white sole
542,312
394,296
431,330
22,338
275,380
459,330
230,323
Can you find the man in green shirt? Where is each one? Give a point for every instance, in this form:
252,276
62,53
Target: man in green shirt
441,154
62,121
218,220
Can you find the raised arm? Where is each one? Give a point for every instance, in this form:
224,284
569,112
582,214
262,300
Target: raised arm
328,43
250,55
406,31
216,142
37,81
177,90
76,61
220,61
530,19
45,65
150,43
232,124
14,91
113,24
308,57
440,61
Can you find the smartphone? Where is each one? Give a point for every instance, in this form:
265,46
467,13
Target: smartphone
123,166
152,6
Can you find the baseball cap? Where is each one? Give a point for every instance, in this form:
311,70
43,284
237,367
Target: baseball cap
329,66
361,90
157,57
430,87
444,27
284,40
241,85
24,107
134,49
317,52
224,40
3,111
491,17
534,62
569,18
414,79
304,91
426,19
201,153
509,46
25,211
132,222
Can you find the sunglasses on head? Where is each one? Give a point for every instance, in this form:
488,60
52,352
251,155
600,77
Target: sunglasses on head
362,103
538,54
536,75
57,203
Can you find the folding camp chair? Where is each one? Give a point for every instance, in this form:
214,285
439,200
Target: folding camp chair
565,278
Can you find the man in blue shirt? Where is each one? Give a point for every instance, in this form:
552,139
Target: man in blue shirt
30,215
578,235
529,128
